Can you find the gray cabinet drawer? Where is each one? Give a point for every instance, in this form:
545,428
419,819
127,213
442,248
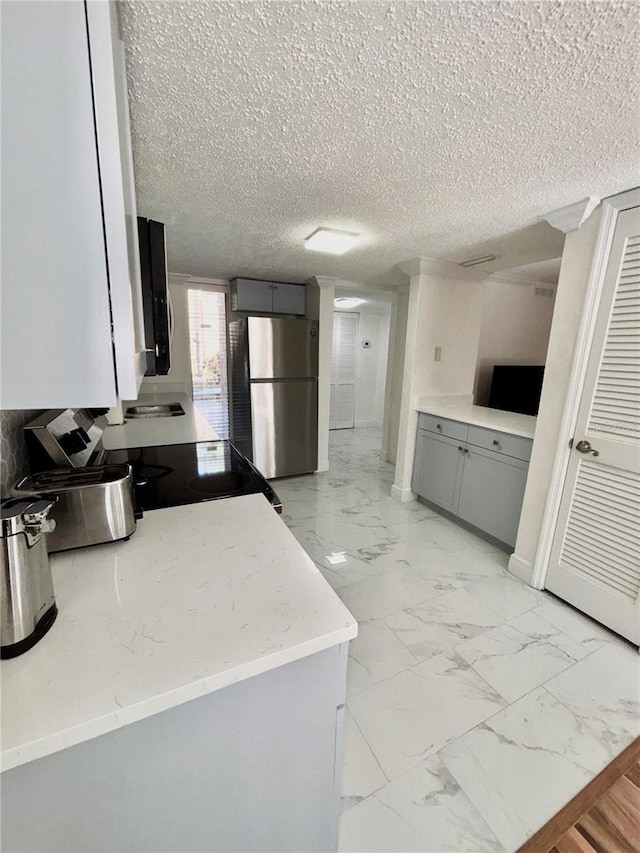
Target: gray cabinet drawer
443,426
501,442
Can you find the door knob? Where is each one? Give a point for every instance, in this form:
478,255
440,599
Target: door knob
585,447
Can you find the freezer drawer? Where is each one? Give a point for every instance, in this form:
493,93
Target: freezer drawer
285,427
282,348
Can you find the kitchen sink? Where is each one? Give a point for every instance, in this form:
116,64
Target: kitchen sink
164,410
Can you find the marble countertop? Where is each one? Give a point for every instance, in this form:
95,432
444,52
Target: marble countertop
151,432
201,597
462,409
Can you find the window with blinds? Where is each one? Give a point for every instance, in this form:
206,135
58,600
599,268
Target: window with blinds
208,347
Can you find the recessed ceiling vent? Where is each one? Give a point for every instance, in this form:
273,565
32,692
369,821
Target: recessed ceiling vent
473,262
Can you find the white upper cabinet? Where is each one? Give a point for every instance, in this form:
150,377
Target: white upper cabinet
70,268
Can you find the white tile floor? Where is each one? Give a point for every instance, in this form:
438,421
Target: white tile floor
477,706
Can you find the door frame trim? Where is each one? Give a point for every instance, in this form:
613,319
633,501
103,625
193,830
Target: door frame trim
611,207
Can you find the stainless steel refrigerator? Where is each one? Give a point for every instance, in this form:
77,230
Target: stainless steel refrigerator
274,393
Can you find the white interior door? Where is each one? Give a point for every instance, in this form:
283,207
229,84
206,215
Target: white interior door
343,371
595,556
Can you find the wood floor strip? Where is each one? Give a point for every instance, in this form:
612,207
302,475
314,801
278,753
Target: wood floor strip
573,842
614,830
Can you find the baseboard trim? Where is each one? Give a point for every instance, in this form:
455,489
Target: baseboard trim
403,496
377,424
323,464
520,568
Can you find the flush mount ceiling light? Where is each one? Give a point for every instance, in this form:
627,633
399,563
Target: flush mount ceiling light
347,302
333,242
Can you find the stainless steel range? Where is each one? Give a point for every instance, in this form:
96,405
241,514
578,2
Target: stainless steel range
164,476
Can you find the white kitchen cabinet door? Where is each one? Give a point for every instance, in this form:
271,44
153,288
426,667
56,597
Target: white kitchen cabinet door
595,557
71,325
118,195
55,329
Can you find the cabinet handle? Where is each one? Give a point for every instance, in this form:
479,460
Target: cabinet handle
461,448
439,426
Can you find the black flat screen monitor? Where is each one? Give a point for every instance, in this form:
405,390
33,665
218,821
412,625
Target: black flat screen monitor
516,388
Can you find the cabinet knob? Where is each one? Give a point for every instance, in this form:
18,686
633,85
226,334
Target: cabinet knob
438,426
496,442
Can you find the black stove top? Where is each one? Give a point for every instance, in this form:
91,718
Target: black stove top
177,474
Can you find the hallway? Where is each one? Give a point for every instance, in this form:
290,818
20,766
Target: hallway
477,706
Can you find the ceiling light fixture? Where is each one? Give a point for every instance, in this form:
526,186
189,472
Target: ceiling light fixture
347,302
472,262
333,242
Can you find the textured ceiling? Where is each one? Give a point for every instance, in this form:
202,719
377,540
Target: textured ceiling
440,129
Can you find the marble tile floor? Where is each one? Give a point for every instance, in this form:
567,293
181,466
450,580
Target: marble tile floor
477,706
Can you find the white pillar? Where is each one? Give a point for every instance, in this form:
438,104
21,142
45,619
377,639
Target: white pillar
401,489
327,293
445,311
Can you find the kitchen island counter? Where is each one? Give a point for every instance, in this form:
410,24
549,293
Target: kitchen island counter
201,597
151,432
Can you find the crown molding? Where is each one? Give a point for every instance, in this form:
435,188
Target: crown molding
324,281
182,278
177,278
442,269
571,217
522,280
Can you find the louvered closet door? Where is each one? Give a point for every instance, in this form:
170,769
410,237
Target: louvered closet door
595,559
343,371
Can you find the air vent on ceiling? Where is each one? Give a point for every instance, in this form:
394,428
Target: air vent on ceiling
472,262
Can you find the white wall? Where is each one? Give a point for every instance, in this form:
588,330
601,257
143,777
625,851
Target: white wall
515,329
569,302
445,313
371,368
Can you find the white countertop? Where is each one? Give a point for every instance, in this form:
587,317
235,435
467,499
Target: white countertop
462,409
151,432
201,597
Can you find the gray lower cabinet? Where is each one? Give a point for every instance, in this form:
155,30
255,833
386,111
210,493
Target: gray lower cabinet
253,767
476,474
492,492
438,469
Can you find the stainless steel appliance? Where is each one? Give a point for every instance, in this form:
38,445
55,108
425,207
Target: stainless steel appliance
156,304
65,438
28,606
177,474
163,476
274,397
95,504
